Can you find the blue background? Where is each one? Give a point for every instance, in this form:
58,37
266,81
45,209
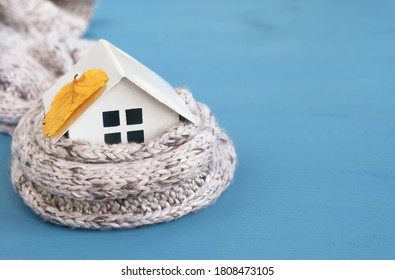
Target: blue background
305,89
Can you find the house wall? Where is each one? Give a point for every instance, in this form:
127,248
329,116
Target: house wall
157,118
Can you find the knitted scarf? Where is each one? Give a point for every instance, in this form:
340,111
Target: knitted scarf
39,42
96,186
99,186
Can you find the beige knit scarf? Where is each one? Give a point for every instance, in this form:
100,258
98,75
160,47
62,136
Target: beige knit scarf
97,186
80,184
38,42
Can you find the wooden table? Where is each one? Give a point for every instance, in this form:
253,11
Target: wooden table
305,89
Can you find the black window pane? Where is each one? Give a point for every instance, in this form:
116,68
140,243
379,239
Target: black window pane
136,136
134,116
112,138
110,118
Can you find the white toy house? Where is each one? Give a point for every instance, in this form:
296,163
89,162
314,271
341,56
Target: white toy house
136,105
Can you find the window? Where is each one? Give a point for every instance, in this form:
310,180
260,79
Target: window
136,136
134,116
111,118
114,119
112,138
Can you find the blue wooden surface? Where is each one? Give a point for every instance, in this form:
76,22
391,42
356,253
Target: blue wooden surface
306,90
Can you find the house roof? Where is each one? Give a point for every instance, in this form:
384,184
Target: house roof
117,64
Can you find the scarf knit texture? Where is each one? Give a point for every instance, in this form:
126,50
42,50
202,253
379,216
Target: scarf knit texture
96,186
80,184
39,42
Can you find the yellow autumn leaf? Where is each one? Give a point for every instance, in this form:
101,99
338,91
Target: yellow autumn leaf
71,96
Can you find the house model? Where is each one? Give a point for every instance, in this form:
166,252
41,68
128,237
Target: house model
136,105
